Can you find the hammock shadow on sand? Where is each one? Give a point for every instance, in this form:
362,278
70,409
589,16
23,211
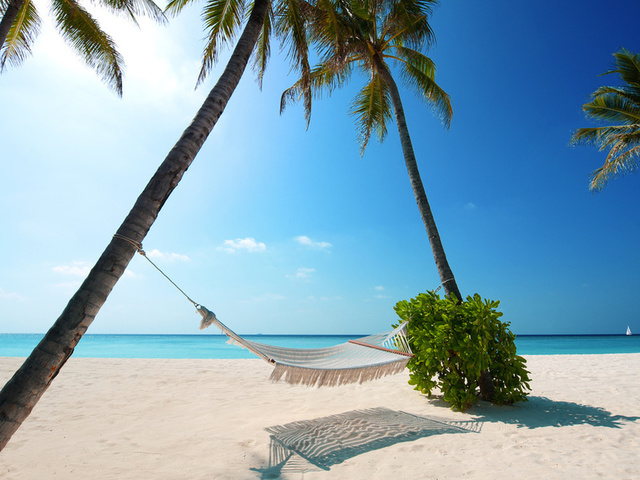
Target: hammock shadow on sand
543,412
324,442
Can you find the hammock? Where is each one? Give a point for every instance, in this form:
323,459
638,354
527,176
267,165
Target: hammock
356,361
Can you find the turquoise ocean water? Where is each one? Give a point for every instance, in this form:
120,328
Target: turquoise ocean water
215,346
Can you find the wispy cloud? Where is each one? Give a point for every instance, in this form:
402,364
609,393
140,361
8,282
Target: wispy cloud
75,269
302,274
11,296
248,244
167,256
313,298
80,270
307,242
380,292
470,206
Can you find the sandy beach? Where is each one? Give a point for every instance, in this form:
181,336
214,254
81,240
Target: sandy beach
207,419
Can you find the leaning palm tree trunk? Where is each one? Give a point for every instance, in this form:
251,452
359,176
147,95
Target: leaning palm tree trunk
447,279
20,394
9,17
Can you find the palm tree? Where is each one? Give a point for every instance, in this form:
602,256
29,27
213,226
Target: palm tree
20,26
31,380
622,106
365,35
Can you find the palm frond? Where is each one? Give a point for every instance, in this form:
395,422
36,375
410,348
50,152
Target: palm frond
134,9
222,20
628,67
328,29
371,109
290,27
84,34
613,108
22,33
624,163
263,47
174,7
604,136
418,71
323,78
407,24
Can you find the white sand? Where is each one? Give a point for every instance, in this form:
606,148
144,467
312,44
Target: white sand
205,419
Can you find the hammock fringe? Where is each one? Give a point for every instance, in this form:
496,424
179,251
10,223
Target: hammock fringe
312,377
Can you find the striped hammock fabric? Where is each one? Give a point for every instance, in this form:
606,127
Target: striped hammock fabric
355,361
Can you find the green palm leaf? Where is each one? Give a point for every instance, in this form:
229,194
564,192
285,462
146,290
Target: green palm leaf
621,164
134,8
628,67
418,71
222,20
346,32
613,108
371,109
84,34
174,7
263,47
620,104
291,29
408,22
323,78
21,35
603,136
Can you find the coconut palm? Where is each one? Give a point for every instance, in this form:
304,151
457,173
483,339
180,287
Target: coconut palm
28,384
20,26
620,105
365,35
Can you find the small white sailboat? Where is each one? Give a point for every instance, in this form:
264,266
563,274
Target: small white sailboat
628,330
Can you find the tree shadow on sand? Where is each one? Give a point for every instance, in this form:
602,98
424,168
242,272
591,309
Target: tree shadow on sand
321,443
540,412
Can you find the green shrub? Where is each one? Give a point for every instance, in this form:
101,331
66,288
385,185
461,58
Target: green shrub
463,350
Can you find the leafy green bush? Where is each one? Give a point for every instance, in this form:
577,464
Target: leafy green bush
464,350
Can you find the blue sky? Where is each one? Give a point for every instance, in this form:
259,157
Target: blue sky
279,229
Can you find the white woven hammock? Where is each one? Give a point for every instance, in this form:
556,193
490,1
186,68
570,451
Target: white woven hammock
356,361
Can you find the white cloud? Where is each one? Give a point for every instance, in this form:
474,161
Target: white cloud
80,270
76,269
248,244
470,206
302,274
307,242
312,298
11,296
168,256
380,295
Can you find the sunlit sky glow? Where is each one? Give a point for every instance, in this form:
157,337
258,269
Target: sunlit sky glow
279,229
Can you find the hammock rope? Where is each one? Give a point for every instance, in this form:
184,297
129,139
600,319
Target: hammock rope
355,361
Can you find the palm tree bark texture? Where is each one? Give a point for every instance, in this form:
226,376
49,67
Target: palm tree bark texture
444,270
31,380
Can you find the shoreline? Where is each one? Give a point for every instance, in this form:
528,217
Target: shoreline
206,419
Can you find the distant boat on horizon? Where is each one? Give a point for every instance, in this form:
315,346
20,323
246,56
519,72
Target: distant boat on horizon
628,330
